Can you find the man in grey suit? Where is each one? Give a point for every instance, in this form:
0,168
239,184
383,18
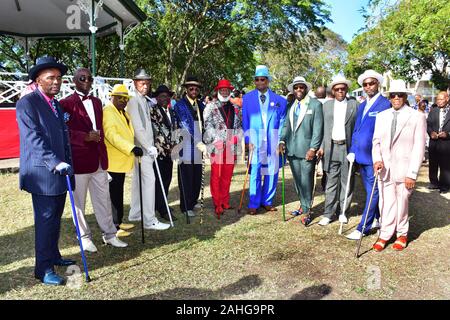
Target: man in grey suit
339,121
301,137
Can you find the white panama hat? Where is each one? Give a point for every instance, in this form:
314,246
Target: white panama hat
398,86
370,74
299,80
340,79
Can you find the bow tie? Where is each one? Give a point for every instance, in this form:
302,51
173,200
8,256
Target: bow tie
84,97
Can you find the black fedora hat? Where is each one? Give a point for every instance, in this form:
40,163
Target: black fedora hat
162,89
43,63
192,81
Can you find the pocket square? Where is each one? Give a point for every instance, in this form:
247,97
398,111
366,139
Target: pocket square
309,111
373,114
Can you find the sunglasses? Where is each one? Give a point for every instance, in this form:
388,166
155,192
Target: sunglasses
302,87
123,99
193,89
340,89
86,79
260,79
369,84
396,94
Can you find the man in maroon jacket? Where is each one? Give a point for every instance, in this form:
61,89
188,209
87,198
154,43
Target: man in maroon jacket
84,117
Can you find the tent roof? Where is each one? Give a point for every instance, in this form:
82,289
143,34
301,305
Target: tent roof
31,18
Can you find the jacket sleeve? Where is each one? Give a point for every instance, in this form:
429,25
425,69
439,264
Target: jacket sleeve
418,151
245,118
317,135
285,129
376,141
140,133
112,133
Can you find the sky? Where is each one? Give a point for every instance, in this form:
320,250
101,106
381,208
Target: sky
347,19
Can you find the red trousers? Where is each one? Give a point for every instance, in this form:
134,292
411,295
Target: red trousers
221,174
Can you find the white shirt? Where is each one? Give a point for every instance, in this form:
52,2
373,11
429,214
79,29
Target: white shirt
370,103
340,111
264,106
89,107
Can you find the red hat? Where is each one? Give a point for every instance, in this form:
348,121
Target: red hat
224,83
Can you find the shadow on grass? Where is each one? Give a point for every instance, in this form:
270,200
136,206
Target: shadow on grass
240,287
313,293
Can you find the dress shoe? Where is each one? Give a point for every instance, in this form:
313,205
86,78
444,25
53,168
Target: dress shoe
115,242
122,233
126,226
375,224
198,206
52,279
252,211
190,213
157,226
88,245
166,217
355,235
218,211
270,208
400,243
305,219
443,190
64,262
432,186
324,221
297,212
343,219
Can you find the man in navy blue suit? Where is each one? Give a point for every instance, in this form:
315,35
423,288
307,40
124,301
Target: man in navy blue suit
45,158
263,114
361,149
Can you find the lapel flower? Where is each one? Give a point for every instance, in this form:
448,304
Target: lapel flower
272,104
66,117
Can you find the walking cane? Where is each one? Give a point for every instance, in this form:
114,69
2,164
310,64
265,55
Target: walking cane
367,214
163,190
282,186
188,221
69,187
342,217
203,190
314,183
140,199
245,181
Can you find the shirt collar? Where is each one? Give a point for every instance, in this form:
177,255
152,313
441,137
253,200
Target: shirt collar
191,100
46,97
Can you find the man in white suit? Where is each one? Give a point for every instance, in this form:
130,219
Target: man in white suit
139,110
398,150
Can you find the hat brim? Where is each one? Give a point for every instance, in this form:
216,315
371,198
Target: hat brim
192,83
407,92
118,94
348,83
307,84
142,78
34,71
363,77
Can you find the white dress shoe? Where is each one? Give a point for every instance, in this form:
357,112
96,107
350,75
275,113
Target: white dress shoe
355,235
375,224
88,245
115,242
343,218
324,221
158,226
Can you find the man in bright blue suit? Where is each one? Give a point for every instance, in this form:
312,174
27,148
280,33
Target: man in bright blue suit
361,149
45,159
263,114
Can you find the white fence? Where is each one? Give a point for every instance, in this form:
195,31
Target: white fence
11,90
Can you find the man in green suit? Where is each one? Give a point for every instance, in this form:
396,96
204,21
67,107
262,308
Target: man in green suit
300,138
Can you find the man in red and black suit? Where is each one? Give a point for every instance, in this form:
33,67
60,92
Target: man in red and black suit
90,160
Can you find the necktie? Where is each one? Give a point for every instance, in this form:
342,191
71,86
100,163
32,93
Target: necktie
297,112
394,125
54,107
263,98
442,118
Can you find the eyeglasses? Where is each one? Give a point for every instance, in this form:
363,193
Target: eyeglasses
369,84
86,79
193,89
298,87
260,79
343,89
396,94
123,99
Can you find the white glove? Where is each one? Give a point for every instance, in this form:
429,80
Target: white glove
351,157
152,151
63,168
201,147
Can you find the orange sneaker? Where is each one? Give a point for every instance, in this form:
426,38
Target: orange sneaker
400,243
379,245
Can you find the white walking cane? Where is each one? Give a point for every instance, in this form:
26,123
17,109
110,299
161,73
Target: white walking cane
342,218
163,190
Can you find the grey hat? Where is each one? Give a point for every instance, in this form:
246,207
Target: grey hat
141,74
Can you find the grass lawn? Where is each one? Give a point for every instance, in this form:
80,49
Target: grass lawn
237,257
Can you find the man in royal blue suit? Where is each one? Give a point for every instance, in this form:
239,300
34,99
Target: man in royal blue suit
45,159
263,113
361,149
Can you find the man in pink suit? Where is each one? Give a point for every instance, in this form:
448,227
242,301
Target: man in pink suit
398,150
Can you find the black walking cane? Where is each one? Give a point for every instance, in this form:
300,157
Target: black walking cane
203,190
367,214
75,218
140,199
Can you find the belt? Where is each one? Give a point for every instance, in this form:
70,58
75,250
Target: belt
339,141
